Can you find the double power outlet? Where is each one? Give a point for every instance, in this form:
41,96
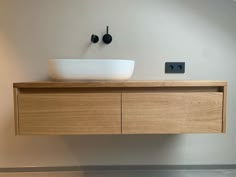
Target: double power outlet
175,67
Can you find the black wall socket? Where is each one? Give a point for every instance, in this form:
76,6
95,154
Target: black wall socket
175,67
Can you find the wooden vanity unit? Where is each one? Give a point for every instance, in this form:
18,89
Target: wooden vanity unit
131,107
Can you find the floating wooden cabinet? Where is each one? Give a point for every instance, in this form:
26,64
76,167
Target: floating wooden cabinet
132,107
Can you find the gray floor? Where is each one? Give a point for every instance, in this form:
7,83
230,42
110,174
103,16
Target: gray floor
158,173
125,173
165,173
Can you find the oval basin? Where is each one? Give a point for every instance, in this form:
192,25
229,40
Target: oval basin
90,69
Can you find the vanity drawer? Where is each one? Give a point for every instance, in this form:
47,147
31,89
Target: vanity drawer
69,113
190,112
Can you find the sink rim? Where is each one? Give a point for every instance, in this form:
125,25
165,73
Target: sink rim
92,60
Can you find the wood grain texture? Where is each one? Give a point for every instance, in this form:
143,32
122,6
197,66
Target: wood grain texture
69,113
151,113
224,109
119,84
16,110
142,107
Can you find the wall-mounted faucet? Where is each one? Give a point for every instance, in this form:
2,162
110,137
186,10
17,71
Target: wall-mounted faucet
107,38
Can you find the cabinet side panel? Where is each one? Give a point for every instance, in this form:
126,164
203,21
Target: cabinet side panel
224,109
16,110
150,113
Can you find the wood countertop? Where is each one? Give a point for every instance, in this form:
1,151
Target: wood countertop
120,84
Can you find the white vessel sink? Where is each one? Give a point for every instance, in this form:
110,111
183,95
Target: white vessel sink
90,69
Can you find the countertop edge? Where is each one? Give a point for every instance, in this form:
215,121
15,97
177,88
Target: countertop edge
121,84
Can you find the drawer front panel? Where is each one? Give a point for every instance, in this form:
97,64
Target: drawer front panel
69,113
191,112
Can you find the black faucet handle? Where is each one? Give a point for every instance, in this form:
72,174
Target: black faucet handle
94,38
107,38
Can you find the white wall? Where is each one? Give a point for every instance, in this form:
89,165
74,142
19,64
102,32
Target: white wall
200,32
